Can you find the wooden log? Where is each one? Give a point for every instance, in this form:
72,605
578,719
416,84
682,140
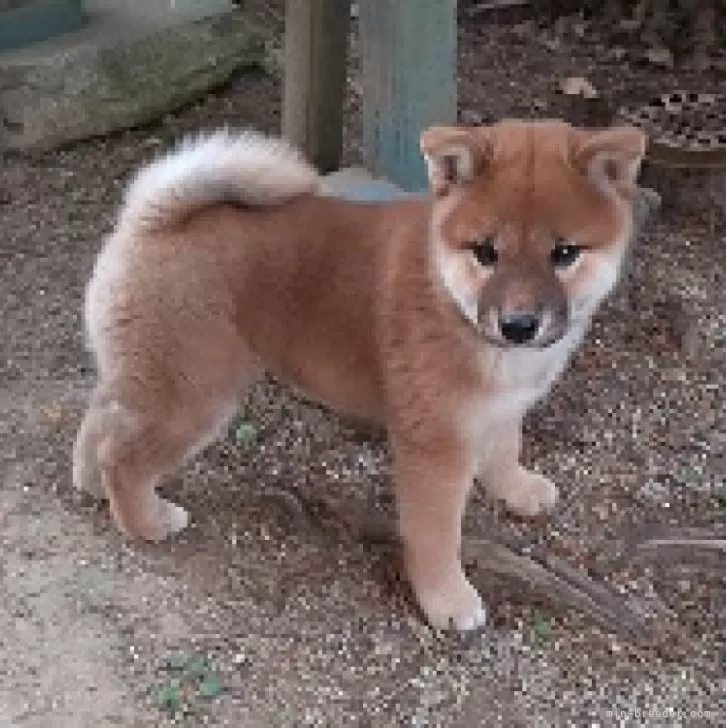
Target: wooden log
563,584
541,572
408,70
316,42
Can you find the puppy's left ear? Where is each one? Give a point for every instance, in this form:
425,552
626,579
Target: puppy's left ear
611,156
453,155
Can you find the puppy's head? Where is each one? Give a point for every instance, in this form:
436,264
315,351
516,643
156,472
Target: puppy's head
530,222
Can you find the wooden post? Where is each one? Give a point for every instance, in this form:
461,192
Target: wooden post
408,58
316,42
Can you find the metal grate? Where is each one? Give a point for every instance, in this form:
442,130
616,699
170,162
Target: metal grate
686,128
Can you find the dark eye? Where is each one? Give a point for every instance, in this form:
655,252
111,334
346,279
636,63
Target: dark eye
565,254
485,252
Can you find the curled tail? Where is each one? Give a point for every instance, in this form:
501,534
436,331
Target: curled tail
245,168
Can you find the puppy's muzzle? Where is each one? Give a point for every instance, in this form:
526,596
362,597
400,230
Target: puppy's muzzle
519,328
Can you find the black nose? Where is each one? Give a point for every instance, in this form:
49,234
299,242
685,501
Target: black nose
519,328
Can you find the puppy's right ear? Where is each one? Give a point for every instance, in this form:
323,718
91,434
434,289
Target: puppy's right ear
453,155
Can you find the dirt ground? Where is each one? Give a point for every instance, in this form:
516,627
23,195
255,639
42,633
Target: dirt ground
280,606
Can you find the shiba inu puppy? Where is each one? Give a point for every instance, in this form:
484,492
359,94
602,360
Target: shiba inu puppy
442,319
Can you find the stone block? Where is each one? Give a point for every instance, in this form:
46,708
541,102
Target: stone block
119,71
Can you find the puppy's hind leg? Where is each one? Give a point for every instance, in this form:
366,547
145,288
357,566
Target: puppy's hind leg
86,470
138,448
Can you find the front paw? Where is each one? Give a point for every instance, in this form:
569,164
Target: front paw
454,604
528,494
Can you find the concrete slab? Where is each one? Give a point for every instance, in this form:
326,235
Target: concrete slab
356,183
130,64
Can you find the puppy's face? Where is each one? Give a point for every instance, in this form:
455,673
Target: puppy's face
530,222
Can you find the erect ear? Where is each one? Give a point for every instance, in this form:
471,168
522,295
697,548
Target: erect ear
453,155
610,156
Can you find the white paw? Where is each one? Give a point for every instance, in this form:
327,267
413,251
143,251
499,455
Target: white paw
458,605
529,494
175,517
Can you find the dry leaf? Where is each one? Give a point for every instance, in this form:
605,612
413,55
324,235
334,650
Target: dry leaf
469,116
578,86
53,413
629,24
522,29
660,57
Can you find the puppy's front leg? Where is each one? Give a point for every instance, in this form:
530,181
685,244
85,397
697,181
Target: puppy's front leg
525,493
432,484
